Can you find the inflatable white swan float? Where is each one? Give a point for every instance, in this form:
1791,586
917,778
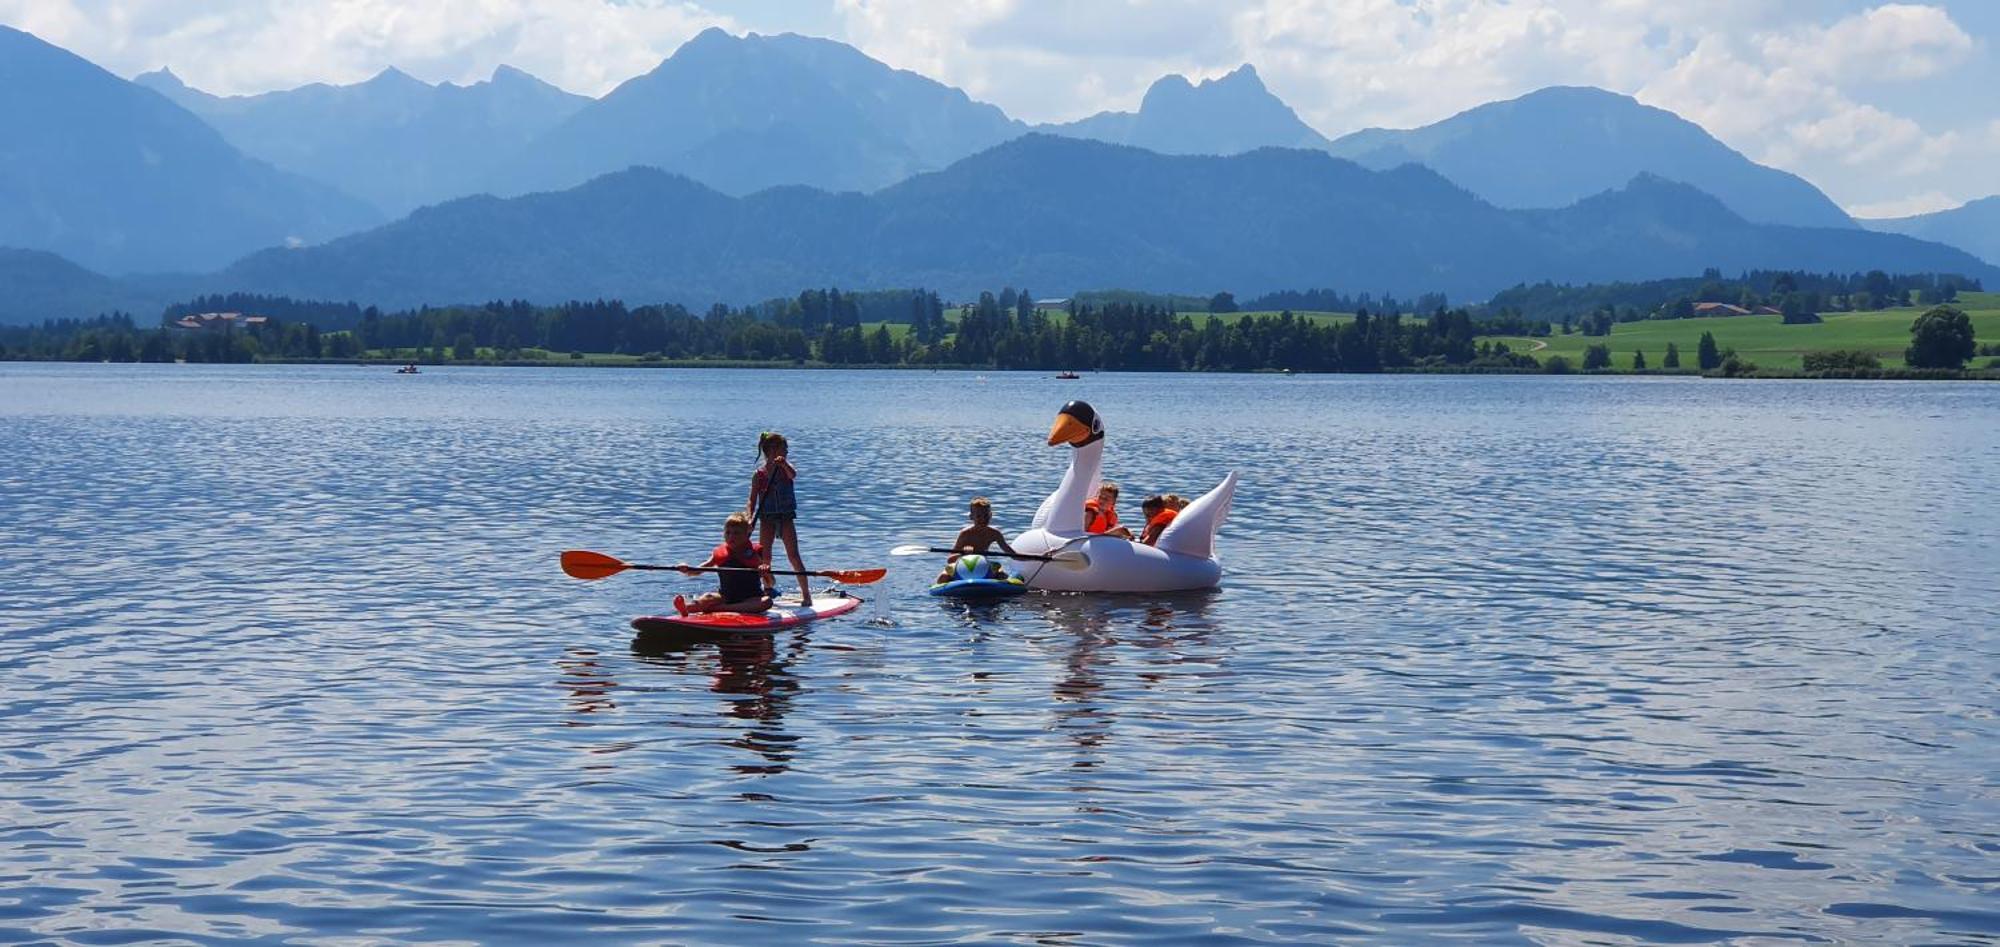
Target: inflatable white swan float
1184,557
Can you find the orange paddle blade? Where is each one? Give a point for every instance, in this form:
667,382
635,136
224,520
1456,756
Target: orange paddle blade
584,564
855,576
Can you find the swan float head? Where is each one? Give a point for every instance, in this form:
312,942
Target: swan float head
1076,424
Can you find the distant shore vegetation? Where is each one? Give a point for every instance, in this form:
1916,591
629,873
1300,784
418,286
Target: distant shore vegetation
1762,324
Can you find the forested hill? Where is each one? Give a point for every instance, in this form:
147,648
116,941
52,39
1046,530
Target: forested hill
1058,214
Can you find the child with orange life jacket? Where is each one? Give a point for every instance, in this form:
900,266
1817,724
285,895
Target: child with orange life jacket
1100,515
1160,511
774,505
740,587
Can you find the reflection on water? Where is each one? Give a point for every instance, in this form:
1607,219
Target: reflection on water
754,670
287,657
588,682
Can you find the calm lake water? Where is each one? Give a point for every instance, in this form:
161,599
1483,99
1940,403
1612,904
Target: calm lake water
286,655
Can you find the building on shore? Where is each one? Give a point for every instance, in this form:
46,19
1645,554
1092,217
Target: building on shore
218,321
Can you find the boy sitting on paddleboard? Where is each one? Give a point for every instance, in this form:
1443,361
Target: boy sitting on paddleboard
742,584
971,545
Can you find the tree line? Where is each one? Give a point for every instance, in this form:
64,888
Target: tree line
1007,330
818,325
1799,296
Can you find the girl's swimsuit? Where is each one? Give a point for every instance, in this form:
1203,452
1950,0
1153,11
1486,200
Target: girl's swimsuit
776,501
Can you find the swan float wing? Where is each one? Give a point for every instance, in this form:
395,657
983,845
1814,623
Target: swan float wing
1192,533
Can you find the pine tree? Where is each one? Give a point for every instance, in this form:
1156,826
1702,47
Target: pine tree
1673,359
1707,356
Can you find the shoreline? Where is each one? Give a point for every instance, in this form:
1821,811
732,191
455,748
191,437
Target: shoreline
1883,374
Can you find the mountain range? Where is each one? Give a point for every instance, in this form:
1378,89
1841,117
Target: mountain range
746,113
117,178
153,175
1060,214
1974,227
394,141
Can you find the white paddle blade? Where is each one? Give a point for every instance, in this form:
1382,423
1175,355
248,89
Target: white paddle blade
1075,560
910,549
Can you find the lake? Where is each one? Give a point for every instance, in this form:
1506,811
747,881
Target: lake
287,654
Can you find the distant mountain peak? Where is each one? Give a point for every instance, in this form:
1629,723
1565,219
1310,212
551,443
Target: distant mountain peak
393,77
1245,74
1579,92
163,76
1241,83
1555,146
1230,114
1170,84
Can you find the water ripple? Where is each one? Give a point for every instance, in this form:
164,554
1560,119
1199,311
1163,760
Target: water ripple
1497,660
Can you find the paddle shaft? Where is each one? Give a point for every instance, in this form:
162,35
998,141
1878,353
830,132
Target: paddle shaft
722,569
1009,555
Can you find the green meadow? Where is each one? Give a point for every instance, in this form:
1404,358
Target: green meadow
1766,340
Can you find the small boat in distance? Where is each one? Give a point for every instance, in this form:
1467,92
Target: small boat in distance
407,370
1068,376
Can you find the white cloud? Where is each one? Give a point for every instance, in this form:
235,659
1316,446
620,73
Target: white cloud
1044,60
583,45
1788,98
1898,41
1924,203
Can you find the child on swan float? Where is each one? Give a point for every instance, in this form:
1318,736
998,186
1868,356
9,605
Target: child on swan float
775,506
741,588
968,560
1100,515
1160,511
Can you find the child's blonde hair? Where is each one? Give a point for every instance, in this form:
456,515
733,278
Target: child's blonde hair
769,440
981,505
735,520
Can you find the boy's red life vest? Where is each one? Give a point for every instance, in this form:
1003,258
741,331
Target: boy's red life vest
739,586
1096,519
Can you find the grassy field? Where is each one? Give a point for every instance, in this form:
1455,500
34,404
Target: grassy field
1766,340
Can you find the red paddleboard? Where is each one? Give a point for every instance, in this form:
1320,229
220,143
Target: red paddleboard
784,613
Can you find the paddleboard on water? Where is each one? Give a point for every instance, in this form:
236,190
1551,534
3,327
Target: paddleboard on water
784,613
980,588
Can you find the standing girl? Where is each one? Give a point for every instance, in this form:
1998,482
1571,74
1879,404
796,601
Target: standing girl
774,505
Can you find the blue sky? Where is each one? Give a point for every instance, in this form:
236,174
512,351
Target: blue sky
1889,107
